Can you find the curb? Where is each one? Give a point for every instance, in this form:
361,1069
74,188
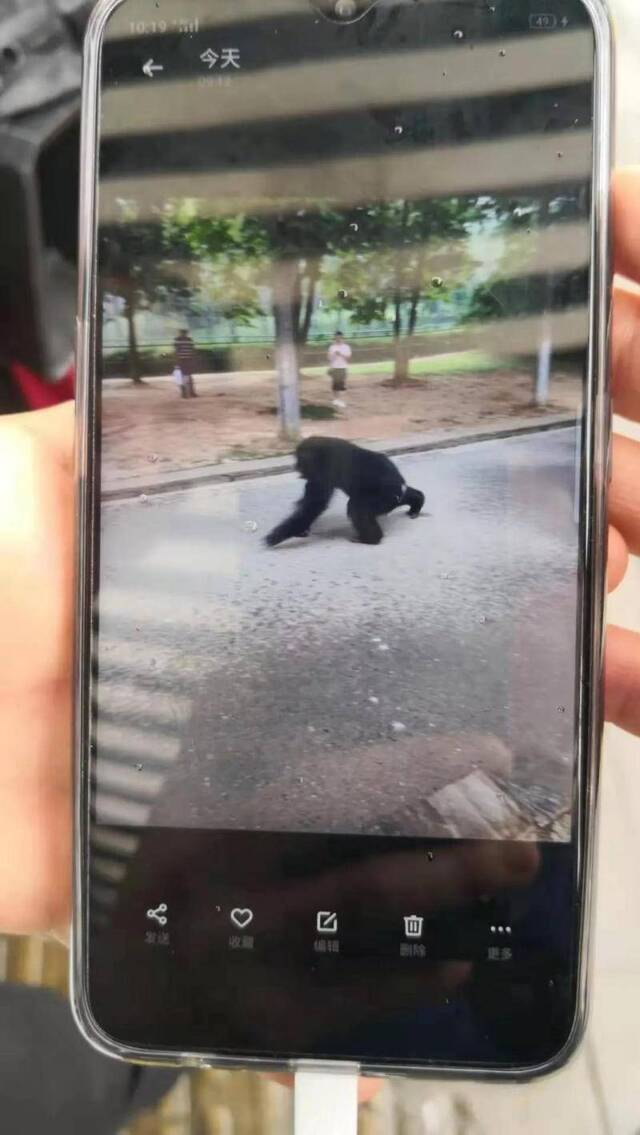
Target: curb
275,466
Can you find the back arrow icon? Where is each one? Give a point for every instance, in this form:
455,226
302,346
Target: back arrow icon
150,68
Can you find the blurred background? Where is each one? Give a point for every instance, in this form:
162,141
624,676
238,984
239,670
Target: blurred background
598,1093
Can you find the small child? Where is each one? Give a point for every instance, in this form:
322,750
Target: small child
339,355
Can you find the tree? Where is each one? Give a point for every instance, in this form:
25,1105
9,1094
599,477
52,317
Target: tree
227,266
136,264
282,252
404,253
381,262
513,292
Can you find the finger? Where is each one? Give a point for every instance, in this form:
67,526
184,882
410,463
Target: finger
54,427
626,229
624,497
625,350
36,560
367,1089
35,790
622,679
617,559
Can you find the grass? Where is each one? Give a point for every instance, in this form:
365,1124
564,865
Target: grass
313,411
316,412
456,362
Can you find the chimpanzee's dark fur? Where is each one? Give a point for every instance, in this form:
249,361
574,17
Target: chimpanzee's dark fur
371,481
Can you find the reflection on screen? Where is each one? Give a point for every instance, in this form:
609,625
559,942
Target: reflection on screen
375,234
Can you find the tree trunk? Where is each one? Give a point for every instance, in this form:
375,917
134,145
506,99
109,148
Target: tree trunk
285,276
543,365
134,355
296,303
416,292
401,369
401,362
402,357
303,332
413,313
404,344
397,319
542,369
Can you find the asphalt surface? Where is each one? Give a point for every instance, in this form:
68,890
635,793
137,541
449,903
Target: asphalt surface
328,685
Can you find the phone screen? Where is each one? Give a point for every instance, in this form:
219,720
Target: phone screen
341,380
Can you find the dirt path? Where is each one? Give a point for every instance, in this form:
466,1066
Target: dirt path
233,416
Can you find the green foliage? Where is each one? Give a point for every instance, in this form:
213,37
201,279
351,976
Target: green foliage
139,262
366,258
522,219
445,364
240,255
389,263
402,253
230,266
313,411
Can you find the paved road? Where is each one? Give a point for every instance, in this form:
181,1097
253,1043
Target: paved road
330,685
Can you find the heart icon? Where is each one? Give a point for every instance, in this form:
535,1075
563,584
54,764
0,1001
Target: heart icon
241,918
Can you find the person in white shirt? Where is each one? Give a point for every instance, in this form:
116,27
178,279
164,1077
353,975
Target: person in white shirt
339,355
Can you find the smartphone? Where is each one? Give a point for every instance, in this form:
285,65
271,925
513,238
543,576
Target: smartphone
343,428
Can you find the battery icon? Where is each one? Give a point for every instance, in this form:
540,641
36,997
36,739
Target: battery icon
543,21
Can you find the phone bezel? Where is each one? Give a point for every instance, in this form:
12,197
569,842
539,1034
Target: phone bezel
594,473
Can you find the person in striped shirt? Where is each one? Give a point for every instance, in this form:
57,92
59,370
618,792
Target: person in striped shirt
185,354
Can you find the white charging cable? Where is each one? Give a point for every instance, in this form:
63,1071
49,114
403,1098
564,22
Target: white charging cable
325,1103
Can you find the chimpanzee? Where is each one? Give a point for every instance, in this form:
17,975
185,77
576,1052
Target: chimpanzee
371,481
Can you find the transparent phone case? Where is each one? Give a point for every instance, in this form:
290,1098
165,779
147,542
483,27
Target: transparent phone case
595,472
